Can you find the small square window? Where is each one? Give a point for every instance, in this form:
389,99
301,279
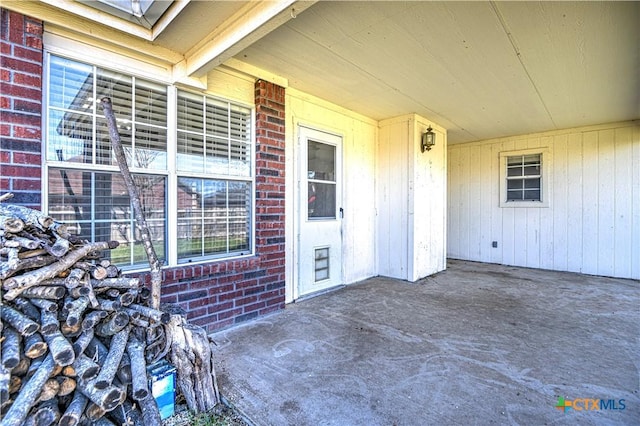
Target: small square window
523,178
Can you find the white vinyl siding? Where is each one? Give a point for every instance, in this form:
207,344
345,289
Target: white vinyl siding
592,224
411,208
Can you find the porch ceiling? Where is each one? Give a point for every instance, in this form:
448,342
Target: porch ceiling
480,69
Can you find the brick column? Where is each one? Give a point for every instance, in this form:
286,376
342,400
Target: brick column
20,107
270,184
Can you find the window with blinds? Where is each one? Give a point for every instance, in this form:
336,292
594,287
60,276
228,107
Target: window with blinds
77,131
214,177
214,137
212,159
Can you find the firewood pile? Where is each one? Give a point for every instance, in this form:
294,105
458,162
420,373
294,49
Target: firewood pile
77,336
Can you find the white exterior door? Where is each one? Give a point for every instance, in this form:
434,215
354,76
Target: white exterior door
320,209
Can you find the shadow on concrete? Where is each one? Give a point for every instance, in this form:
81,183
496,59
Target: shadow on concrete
476,344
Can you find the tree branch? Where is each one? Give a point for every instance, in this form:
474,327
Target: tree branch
118,150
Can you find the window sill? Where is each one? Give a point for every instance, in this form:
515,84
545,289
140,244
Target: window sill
523,204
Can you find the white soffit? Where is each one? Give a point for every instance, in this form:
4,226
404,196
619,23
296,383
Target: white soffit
481,69
143,12
248,24
156,16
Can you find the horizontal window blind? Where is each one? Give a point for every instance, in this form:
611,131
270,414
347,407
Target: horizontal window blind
214,214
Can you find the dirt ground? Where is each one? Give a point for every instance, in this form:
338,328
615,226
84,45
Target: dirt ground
221,415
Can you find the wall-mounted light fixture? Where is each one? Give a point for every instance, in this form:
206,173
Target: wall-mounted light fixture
428,140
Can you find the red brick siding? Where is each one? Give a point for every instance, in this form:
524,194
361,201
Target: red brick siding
214,295
21,107
220,294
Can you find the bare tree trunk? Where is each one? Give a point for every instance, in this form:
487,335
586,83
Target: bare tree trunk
27,308
75,308
42,292
126,414
34,346
5,380
107,398
48,323
113,324
85,368
192,357
121,282
60,349
154,314
92,319
49,390
47,413
82,341
150,412
154,263
27,215
67,385
11,224
19,321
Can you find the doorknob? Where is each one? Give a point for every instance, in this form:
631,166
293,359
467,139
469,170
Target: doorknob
341,213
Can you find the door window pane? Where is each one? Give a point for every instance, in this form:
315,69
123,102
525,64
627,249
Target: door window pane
321,186
321,161
322,200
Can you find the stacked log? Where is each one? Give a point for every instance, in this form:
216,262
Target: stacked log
76,334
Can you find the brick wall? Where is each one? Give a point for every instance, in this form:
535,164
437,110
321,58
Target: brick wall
20,107
214,295
221,294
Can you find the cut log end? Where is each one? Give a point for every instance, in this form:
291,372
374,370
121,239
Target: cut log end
140,394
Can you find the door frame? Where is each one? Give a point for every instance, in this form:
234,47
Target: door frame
298,200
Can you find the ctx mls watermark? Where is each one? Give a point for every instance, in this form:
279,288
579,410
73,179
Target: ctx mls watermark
590,404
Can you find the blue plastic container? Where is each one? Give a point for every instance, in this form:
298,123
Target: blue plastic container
163,387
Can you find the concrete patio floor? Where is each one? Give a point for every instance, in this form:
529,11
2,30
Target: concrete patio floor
476,344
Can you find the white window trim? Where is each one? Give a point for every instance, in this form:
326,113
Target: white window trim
545,195
131,63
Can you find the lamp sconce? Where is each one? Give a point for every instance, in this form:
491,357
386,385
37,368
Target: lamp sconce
428,140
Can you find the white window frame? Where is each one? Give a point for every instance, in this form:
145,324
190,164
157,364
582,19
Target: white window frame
545,184
141,70
173,166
